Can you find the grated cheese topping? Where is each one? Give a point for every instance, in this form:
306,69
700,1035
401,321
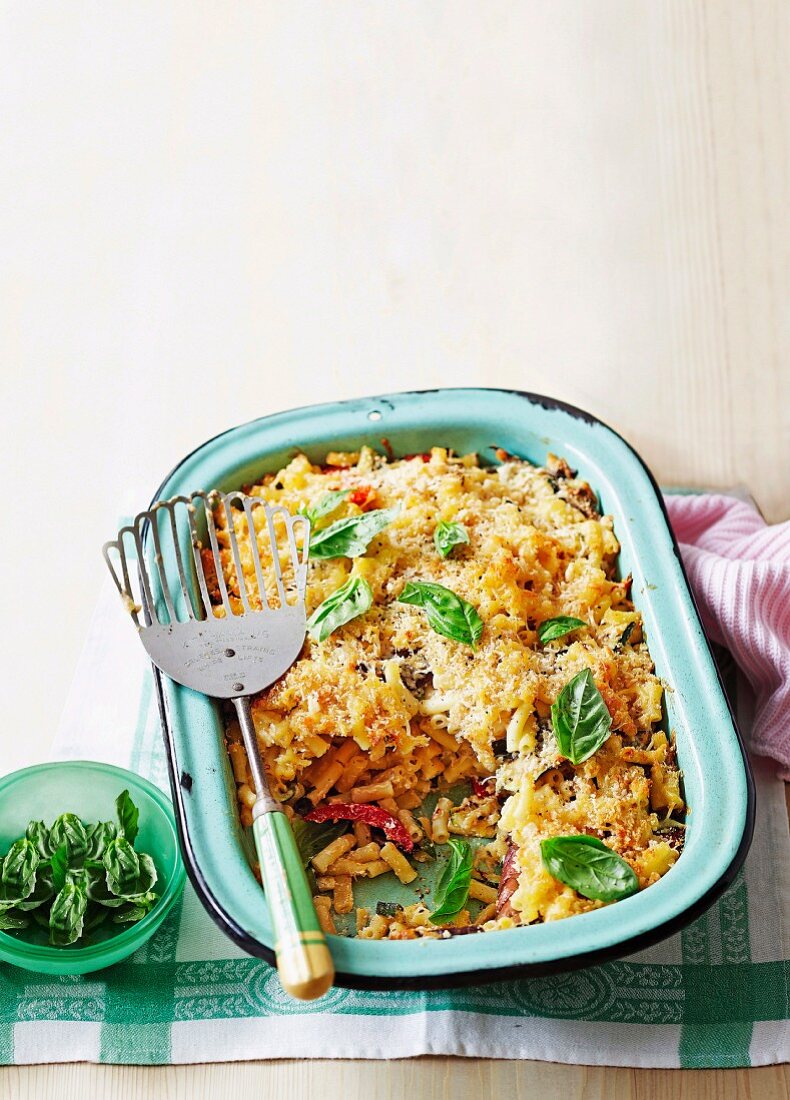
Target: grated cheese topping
420,711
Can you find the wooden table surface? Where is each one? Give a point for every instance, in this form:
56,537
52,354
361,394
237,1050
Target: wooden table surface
216,211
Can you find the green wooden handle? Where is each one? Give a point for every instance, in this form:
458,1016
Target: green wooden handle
303,959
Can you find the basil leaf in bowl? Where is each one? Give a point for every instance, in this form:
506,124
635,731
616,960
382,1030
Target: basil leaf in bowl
449,535
59,865
551,629
12,920
128,816
589,867
18,873
122,865
69,830
100,836
38,834
67,914
448,614
348,602
580,718
43,891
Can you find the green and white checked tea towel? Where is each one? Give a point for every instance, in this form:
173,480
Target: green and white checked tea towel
714,996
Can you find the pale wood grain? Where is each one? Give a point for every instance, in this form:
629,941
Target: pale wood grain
584,200
417,1078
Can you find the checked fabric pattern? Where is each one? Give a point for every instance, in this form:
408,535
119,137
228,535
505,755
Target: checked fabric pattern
714,996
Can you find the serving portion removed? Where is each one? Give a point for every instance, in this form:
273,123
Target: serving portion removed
475,711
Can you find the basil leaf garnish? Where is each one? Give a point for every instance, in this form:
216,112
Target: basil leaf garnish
67,914
580,718
551,629
448,614
349,601
325,505
128,816
448,535
69,830
350,537
586,864
313,837
453,888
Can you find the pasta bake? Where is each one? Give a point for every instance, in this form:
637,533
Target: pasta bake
475,712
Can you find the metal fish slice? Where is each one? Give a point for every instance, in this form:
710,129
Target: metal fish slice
231,651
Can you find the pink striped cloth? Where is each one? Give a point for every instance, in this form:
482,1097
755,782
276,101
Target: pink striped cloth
739,568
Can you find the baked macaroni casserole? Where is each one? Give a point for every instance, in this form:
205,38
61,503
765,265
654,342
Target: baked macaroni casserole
475,705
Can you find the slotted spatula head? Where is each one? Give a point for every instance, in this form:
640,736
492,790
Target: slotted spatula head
246,636
229,638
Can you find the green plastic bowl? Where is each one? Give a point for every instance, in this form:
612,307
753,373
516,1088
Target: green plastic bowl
89,789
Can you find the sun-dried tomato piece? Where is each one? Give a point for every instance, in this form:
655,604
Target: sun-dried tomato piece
394,830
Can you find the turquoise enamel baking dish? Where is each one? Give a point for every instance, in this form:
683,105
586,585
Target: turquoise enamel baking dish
718,784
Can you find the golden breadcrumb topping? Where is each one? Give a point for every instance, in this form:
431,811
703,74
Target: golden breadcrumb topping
388,712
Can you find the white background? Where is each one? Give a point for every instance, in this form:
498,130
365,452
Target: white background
213,211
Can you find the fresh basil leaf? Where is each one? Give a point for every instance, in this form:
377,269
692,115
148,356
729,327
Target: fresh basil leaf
313,837
128,816
43,891
135,910
586,864
59,864
69,830
99,892
122,865
12,920
448,614
145,880
78,876
551,629
580,718
453,889
18,874
325,506
38,834
448,535
99,836
117,888
67,915
348,602
350,537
